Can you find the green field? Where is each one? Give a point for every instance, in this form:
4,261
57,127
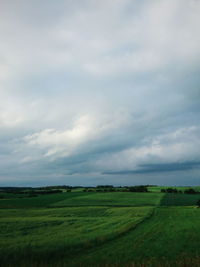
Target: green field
100,229
110,199
181,188
170,234
179,200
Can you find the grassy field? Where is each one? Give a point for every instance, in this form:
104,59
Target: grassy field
111,199
157,189
63,231
100,229
28,202
171,234
83,199
179,200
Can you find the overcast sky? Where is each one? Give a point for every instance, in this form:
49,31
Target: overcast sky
99,92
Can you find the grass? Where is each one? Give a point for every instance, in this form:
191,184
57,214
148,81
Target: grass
31,202
83,199
170,235
156,189
63,231
112,199
179,199
100,229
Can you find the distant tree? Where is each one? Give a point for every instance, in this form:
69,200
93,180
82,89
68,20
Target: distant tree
163,190
105,186
139,188
171,190
190,191
54,187
99,190
198,203
111,190
90,190
125,190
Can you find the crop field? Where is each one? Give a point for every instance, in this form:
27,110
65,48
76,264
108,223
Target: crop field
100,229
111,199
179,200
181,188
171,234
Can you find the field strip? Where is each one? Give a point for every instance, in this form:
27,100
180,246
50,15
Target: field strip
153,242
96,242
101,243
91,250
137,224
97,205
161,200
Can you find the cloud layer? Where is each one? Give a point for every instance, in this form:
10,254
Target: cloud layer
96,92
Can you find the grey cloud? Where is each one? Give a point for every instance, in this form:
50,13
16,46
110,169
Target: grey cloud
159,168
130,67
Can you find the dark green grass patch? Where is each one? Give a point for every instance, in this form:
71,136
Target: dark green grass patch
172,199
171,234
39,201
112,199
83,199
179,188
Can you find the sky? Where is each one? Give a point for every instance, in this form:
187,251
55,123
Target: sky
99,92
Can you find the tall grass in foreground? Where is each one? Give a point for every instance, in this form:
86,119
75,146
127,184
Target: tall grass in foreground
62,233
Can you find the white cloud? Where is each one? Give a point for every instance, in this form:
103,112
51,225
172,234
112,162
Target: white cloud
85,129
162,33
102,38
62,143
11,112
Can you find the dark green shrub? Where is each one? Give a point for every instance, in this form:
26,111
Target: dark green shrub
190,191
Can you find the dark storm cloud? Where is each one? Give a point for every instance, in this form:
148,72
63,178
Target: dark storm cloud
159,168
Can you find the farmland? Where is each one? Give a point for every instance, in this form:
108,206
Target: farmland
100,229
